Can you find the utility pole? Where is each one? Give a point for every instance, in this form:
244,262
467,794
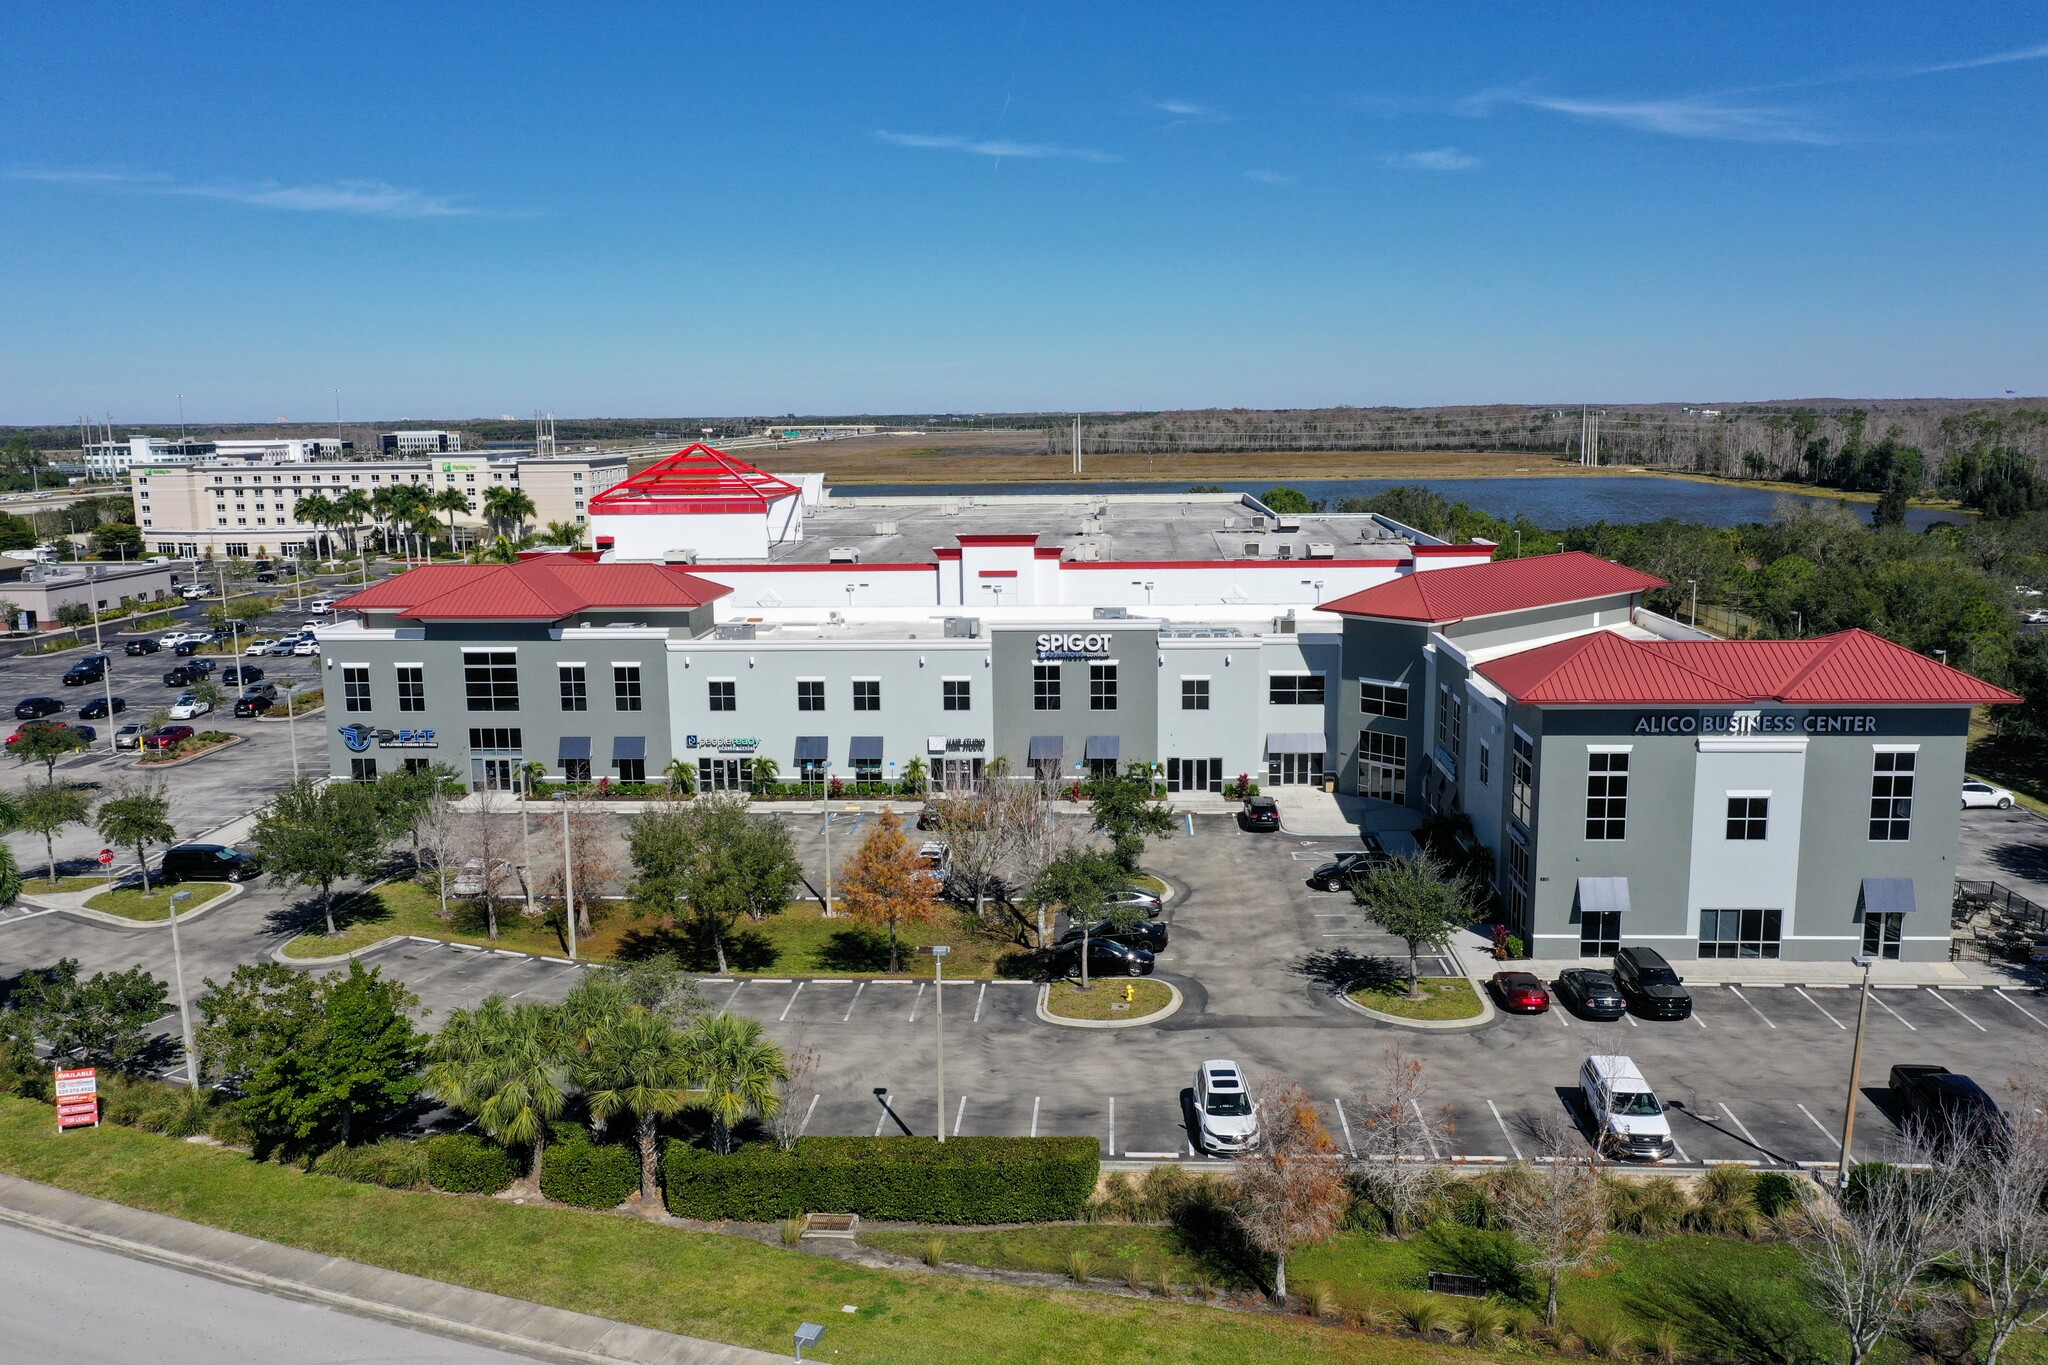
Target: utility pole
568,880
178,973
1077,445
1855,1068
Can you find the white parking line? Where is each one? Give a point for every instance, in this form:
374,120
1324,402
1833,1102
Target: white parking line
730,998
917,1002
1878,1000
1434,1155
1112,1125
1350,1147
1504,1129
792,1000
812,1109
1559,1016
855,1001
1817,1005
1681,1152
882,1117
1822,1126
1966,1018
1034,1116
979,996
959,1114
1743,1126
2018,1006
1752,1008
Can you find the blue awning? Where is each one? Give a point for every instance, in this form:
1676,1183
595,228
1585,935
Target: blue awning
866,747
574,746
1603,893
628,746
1047,748
812,748
1104,746
1887,895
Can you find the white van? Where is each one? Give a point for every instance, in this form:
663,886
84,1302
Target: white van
321,606
1628,1118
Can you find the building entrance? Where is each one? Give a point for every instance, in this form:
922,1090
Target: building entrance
1294,770
956,774
1194,774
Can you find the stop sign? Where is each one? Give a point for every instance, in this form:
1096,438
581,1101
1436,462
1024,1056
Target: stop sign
106,856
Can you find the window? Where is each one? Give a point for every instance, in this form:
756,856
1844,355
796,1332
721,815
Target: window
1383,767
723,696
1519,877
631,769
1045,687
625,687
495,741
1748,817
867,770
1599,930
867,694
576,770
958,694
418,765
1194,694
724,774
1522,781
365,770
490,679
1384,699
575,687
1881,931
810,694
1739,933
1450,723
1295,689
1485,763
1606,796
355,688
1102,687
1891,795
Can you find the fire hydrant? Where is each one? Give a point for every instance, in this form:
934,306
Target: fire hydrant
1130,992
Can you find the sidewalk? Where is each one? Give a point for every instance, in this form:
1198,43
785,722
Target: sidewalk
1477,951
487,1319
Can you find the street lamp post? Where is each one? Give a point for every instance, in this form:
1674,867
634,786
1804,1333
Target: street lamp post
1862,960
291,723
178,974
525,839
1693,615
939,951
568,880
828,864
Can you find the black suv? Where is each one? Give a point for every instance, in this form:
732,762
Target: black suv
208,863
34,708
135,648
1105,958
1261,812
90,669
240,675
1348,868
1937,1103
1148,934
1649,985
185,674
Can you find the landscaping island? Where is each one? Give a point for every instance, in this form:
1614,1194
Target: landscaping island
1444,999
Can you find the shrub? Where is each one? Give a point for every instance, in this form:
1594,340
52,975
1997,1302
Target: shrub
590,1175
1603,1338
1775,1192
915,1179
1645,1207
463,1163
1724,1202
1080,1265
1481,1323
1423,1314
394,1163
180,1113
934,1252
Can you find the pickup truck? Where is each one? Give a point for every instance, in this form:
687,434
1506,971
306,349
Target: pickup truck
1941,1104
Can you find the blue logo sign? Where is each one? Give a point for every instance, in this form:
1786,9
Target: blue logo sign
689,741
356,737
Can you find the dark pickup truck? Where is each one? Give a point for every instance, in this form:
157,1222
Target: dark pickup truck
1941,1104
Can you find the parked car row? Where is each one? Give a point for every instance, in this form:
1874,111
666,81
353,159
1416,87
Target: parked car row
1641,982
1119,946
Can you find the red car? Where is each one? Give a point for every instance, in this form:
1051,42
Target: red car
168,737
85,731
1520,992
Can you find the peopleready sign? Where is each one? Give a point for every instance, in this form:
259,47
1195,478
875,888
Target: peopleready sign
1075,645
1754,723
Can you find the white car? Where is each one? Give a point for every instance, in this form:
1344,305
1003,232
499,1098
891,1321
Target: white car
321,606
1146,903
306,647
1627,1117
188,706
2025,591
1977,793
2035,617
259,647
1226,1120
175,638
194,590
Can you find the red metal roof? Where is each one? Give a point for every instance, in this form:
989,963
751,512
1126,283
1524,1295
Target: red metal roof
1849,667
1440,596
541,589
697,478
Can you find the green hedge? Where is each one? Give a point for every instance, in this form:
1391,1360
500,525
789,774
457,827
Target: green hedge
463,1163
589,1175
394,1163
915,1179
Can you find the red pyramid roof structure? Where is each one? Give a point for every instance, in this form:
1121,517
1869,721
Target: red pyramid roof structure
697,478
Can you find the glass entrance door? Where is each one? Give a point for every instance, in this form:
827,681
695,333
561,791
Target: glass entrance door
957,774
492,774
1194,774
1294,770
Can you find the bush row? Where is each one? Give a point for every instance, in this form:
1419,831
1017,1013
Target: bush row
455,1163
915,1179
590,1175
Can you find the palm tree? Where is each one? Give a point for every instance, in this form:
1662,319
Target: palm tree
638,1063
736,1069
507,509
352,509
510,1066
764,772
421,521
317,509
562,533
455,503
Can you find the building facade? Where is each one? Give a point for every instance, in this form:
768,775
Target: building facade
403,443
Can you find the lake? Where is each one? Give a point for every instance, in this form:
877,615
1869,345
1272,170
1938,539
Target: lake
1550,502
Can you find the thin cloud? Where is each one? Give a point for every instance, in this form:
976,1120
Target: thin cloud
1436,159
992,147
1269,177
360,198
1186,113
1700,117
2021,54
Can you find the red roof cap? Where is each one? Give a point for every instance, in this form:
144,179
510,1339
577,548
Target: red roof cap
543,589
696,478
1850,667
1440,596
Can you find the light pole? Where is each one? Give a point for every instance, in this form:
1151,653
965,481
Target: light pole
291,723
525,839
939,951
1798,626
568,879
178,974
828,864
1693,615
1855,1068
106,672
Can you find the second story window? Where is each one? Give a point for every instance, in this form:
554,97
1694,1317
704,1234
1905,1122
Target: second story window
490,679
1294,689
1102,687
810,694
412,687
1045,687
723,695
355,688
958,696
1383,699
867,694
1194,694
1891,795
626,687
575,687
1749,817
1522,781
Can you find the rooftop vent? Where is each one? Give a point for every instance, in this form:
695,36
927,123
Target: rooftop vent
845,554
885,528
1287,523
1321,549
963,628
1088,551
1251,549
1112,613
679,556
1284,625
736,630
1286,549
1259,525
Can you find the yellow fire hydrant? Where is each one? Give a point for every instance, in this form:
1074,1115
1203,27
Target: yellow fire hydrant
1130,992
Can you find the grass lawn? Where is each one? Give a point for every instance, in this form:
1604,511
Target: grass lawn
129,903
2022,767
1102,999
698,1283
404,907
1444,997
1145,881
43,884
1115,1251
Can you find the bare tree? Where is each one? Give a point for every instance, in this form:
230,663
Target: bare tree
1556,1210
1040,840
488,841
1401,1138
982,827
441,828
800,1067
2001,1225
1291,1190
593,859
1866,1251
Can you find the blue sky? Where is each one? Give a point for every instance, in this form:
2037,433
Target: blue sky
451,210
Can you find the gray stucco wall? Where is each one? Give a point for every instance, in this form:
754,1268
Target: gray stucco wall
1135,722
1385,652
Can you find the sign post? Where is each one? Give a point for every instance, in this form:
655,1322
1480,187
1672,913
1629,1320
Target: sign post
78,1097
107,861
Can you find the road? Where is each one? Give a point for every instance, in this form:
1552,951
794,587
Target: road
64,1303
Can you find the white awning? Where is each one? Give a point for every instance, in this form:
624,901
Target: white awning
1603,893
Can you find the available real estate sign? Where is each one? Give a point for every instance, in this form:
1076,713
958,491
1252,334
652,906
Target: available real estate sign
78,1097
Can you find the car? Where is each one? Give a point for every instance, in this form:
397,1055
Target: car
2035,617
1591,994
934,859
136,648
321,606
265,690
1133,896
97,708
2025,591
1520,992
191,591
256,647
185,649
306,647
1935,1102
1147,934
1105,958
1649,985
1626,1116
167,737
469,883
128,737
929,815
189,706
31,708
171,639
1349,867
182,675
282,649
208,863
1977,793
1226,1119
245,707
90,669
30,727
1260,813
240,675
266,577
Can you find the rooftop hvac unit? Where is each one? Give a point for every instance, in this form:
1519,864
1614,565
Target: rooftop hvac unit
963,628
1287,523
885,528
1089,552
1259,525
1284,625
679,556
1286,550
736,630
1251,549
845,554
1112,613
1321,549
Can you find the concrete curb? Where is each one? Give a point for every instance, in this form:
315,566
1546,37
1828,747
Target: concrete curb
233,892
1172,1006
208,752
1485,1016
277,954
352,1287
